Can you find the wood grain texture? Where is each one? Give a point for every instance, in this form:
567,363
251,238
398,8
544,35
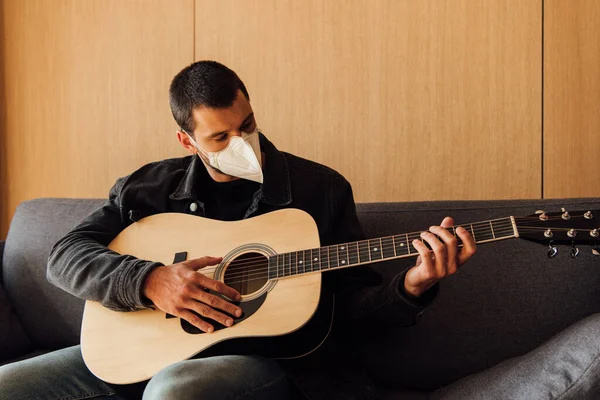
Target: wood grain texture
86,92
571,98
410,100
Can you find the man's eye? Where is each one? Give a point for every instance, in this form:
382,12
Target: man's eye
221,138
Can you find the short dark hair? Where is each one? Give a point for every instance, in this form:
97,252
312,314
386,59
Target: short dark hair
203,83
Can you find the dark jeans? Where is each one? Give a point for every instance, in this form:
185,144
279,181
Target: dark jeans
63,375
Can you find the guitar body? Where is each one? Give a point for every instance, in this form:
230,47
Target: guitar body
129,347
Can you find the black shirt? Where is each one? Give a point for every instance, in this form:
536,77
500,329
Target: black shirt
228,201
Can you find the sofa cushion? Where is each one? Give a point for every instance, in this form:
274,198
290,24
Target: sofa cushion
504,302
50,316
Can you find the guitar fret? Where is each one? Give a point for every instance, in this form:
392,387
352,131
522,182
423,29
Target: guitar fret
293,263
375,250
307,261
394,246
354,258
300,258
399,245
492,228
482,232
333,257
272,268
407,243
323,259
344,259
364,251
387,248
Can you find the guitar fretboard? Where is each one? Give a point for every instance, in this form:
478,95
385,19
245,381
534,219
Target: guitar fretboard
376,250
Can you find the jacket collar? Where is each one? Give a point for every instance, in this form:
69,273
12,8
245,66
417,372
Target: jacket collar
275,190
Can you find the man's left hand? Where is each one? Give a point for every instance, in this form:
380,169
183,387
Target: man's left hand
443,260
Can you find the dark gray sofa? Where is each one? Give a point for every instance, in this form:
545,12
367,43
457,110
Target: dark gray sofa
506,301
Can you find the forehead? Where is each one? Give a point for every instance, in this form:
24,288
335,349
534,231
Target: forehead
210,120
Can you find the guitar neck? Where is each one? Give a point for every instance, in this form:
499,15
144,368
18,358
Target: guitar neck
385,248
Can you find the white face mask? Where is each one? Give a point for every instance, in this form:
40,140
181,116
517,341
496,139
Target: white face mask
241,158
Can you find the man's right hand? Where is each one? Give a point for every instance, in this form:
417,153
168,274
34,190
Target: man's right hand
179,289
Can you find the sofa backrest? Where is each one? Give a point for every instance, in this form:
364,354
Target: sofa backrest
504,302
507,300
50,316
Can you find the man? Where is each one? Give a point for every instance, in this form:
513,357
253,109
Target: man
234,173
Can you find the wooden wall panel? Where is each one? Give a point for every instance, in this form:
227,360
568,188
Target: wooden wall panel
86,92
571,98
410,100
4,217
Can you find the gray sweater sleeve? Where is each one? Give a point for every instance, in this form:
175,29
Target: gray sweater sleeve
80,263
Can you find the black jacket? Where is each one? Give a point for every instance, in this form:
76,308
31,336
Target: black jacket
81,264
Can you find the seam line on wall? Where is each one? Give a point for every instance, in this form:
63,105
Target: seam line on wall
194,31
542,122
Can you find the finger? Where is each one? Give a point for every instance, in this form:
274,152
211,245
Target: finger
426,258
218,287
447,222
202,262
197,293
439,251
469,246
451,244
195,320
218,303
419,261
206,311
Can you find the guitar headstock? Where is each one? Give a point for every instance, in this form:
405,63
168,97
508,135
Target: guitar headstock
563,227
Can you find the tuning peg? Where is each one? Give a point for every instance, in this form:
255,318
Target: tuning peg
552,250
574,251
596,252
565,214
588,215
542,215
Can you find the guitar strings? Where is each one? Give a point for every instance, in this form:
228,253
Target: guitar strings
387,244
507,224
259,274
252,272
389,241
412,235
351,252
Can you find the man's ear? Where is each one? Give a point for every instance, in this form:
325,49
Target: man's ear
185,142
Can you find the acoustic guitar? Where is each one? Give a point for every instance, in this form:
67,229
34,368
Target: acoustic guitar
275,261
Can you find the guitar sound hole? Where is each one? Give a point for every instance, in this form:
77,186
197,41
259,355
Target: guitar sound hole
247,273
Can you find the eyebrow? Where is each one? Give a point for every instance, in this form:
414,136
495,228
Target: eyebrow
246,120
